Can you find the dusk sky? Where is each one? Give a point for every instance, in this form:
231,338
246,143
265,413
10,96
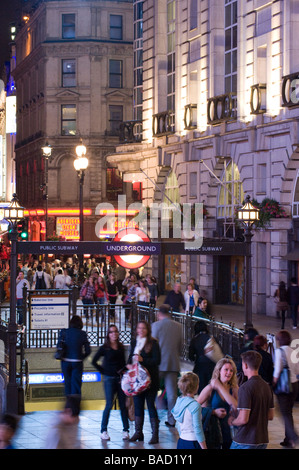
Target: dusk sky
8,13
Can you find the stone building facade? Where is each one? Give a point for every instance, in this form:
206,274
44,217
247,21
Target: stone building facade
73,80
220,121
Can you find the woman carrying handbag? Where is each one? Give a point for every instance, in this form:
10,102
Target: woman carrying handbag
286,400
113,354
145,349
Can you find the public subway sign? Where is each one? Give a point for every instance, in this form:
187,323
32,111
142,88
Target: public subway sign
209,247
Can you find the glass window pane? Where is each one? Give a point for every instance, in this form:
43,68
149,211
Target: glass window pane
228,39
116,27
68,26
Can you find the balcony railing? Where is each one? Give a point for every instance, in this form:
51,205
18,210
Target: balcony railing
222,108
290,90
258,98
130,132
190,116
163,123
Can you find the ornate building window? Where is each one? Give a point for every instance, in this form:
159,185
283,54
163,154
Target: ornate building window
171,189
231,192
68,26
231,47
68,119
116,27
171,62
115,73
68,73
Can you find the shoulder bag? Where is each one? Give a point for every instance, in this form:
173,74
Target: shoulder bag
135,380
213,350
61,347
284,384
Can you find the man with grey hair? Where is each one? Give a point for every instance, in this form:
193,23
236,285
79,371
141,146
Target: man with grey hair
169,334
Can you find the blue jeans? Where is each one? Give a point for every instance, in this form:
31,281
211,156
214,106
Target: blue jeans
86,308
235,445
72,372
183,444
149,396
20,311
112,387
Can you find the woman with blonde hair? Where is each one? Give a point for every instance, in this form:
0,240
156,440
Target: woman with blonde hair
221,397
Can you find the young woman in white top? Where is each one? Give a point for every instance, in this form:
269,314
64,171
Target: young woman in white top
286,400
142,294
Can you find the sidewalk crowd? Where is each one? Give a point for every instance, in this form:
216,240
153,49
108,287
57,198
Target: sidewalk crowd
219,405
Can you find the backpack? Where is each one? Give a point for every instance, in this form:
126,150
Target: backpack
40,282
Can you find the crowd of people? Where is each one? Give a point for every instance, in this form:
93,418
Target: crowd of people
219,405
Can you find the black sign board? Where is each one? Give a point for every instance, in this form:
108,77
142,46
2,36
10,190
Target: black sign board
215,248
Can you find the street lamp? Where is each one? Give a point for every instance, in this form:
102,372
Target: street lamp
14,213
81,164
47,152
248,215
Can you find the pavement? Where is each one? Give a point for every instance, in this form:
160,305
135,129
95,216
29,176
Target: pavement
35,425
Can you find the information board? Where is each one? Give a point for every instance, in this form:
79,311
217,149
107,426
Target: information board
49,312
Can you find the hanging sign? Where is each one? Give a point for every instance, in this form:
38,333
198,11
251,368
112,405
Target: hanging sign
134,260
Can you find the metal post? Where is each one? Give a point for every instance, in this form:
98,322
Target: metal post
81,184
248,279
12,386
46,194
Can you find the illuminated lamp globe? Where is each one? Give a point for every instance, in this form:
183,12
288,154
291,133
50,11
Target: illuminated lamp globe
248,214
14,212
47,150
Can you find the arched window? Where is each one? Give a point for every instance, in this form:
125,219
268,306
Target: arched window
171,189
231,192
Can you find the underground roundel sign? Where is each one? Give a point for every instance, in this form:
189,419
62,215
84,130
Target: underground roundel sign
131,235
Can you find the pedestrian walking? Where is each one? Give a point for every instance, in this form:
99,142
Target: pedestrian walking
113,354
203,366
293,300
187,412
286,401
176,299
255,406
112,292
142,294
77,348
282,304
153,290
169,334
266,368
21,282
64,430
87,293
221,397
145,349
191,297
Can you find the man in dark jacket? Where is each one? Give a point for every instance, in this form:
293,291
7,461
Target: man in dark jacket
169,334
175,298
77,348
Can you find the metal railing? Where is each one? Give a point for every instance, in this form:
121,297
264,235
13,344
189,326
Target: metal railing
97,318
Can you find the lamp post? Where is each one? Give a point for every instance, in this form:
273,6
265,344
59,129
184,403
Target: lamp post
47,151
14,213
248,214
81,164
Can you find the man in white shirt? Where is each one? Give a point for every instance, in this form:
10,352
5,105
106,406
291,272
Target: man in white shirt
20,283
59,280
67,279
